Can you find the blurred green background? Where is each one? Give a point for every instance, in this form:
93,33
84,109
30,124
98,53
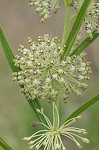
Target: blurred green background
19,22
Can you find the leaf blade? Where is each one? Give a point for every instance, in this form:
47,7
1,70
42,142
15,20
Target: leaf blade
8,52
84,44
4,145
75,28
84,107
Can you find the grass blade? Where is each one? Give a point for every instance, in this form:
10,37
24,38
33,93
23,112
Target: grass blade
10,57
85,44
4,145
84,107
76,27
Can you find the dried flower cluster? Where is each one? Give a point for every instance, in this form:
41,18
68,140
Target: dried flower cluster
91,21
50,137
42,74
45,7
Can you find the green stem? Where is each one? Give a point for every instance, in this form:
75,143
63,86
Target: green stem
55,116
66,25
73,17
57,103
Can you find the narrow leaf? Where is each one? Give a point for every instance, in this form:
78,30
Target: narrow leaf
76,27
84,107
85,44
10,57
8,52
4,145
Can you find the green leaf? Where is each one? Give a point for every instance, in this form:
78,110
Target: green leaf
10,57
85,44
84,107
8,52
4,145
76,27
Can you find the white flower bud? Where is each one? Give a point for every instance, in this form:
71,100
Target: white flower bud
48,80
81,77
57,147
60,71
85,140
54,76
27,138
79,146
29,63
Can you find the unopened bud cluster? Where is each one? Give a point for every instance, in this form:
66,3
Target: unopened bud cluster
45,7
91,19
42,73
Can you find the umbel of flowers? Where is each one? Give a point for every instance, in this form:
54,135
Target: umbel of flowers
44,76
45,7
91,21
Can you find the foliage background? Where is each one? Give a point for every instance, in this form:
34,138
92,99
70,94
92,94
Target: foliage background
19,22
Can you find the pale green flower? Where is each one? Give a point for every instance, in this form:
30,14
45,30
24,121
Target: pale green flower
50,138
45,7
44,76
91,20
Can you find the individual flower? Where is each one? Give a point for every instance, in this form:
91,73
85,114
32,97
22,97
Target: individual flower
91,20
50,138
44,76
45,7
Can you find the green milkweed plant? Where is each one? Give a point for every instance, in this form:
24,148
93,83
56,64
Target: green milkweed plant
52,68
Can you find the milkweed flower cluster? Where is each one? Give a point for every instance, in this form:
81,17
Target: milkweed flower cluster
45,7
44,76
50,137
91,20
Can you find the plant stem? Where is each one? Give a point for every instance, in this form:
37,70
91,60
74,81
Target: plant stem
66,25
55,115
57,103
73,17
